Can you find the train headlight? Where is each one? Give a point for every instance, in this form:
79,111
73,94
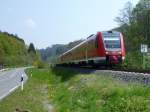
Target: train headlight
123,58
106,52
119,52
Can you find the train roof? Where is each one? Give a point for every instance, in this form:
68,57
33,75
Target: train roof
88,38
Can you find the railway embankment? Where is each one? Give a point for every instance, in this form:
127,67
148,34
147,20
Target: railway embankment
135,77
141,77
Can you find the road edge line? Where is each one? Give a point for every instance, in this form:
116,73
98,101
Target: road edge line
9,92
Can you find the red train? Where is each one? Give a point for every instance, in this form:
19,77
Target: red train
103,48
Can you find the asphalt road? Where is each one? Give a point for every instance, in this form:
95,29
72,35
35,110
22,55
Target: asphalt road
10,80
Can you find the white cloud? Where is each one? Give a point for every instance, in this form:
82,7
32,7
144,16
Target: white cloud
30,23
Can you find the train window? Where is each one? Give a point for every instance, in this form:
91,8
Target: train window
112,40
112,43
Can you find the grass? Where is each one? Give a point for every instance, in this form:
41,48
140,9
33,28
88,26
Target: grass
93,93
70,91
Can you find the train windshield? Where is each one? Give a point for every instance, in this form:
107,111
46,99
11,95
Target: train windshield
112,41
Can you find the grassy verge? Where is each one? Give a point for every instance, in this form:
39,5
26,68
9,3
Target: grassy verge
93,93
70,91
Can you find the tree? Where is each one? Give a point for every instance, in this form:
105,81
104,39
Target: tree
142,18
126,16
31,48
134,24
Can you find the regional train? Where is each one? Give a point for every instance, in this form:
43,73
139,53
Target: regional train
103,48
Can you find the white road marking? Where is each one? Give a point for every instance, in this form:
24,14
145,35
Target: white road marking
13,89
10,91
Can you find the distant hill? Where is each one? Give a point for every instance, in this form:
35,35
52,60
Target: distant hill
13,51
50,53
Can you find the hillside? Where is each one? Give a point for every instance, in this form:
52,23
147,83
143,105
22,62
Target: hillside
50,53
13,51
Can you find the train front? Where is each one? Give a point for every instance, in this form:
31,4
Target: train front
114,47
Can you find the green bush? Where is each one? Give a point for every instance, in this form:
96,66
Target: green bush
39,64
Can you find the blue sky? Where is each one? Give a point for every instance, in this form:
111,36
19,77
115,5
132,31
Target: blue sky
47,22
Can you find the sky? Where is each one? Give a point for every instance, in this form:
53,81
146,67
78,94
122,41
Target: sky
48,22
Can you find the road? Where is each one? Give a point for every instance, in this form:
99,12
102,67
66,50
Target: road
10,80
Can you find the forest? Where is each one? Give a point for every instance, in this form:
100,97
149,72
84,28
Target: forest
14,52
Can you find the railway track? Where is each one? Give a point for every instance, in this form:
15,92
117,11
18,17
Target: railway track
133,70
130,75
